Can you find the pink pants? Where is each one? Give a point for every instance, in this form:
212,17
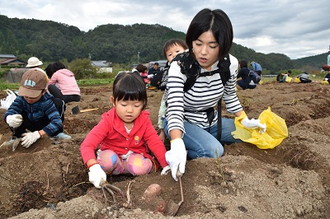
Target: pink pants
134,164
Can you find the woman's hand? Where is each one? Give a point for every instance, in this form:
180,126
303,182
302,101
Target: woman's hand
177,158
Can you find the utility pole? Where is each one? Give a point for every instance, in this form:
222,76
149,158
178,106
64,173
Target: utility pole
138,56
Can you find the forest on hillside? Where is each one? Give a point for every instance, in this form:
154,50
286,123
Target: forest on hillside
123,44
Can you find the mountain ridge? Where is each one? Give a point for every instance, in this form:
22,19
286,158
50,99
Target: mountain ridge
52,41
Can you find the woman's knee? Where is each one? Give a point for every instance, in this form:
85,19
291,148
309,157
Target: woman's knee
210,148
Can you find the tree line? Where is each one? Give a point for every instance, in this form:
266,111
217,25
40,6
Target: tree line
123,44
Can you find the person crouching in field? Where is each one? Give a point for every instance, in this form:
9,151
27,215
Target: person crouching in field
34,113
125,135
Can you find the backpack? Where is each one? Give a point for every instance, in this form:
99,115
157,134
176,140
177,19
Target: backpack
190,67
255,77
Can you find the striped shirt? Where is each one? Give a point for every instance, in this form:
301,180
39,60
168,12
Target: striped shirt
204,94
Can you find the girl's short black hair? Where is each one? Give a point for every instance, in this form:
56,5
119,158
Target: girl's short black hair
130,86
168,44
218,22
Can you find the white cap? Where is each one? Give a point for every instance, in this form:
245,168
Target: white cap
34,62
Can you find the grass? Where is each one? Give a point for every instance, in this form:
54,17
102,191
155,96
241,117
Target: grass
11,86
93,82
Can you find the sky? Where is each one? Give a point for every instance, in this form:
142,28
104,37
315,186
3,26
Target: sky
296,28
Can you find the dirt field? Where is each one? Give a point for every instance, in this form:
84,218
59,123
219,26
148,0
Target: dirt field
48,180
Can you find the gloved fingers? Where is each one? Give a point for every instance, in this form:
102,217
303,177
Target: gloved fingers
174,171
18,116
165,170
182,168
262,127
25,143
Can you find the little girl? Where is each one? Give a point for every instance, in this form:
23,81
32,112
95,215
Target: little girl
125,135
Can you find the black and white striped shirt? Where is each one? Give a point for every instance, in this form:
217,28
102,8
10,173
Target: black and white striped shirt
205,93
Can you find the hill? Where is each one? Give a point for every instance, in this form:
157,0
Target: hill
52,41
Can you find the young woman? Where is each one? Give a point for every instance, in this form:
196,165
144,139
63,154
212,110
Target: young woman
191,121
125,135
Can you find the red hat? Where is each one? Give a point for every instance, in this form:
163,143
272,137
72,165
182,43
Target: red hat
33,82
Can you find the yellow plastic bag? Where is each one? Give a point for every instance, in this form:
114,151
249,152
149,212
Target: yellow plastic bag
288,79
296,80
275,133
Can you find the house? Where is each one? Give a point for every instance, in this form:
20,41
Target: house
102,66
11,61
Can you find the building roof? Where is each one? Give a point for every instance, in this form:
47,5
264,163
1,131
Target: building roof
7,56
101,63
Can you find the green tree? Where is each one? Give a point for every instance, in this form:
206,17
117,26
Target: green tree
82,68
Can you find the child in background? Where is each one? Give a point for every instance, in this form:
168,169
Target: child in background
170,50
125,135
142,71
34,110
62,83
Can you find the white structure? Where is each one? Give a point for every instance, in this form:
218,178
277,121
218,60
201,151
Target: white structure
103,66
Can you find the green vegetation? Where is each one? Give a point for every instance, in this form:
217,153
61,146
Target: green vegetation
120,44
11,86
94,82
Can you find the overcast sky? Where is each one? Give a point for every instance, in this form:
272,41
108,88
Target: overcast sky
296,28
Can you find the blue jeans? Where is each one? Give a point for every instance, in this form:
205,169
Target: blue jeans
201,142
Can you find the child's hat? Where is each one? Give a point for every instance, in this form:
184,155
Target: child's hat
33,62
33,82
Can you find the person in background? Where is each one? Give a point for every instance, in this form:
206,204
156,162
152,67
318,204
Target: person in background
327,78
33,113
170,50
245,82
34,62
125,135
154,70
256,67
142,71
191,120
304,77
155,74
285,77
62,83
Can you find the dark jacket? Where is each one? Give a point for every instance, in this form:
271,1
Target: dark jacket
36,112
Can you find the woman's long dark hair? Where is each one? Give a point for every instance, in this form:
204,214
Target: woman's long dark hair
218,22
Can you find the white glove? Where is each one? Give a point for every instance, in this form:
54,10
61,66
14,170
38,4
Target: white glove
29,138
253,124
326,79
150,76
165,170
14,120
97,175
177,158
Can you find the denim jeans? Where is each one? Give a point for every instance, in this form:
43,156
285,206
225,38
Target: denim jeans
201,142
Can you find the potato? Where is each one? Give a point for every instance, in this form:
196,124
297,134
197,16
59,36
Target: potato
151,192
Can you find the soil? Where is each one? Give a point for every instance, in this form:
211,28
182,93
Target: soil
49,180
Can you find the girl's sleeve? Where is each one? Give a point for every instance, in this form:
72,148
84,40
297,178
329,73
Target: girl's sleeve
93,139
155,144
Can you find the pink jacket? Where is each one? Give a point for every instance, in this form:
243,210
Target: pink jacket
110,133
64,79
